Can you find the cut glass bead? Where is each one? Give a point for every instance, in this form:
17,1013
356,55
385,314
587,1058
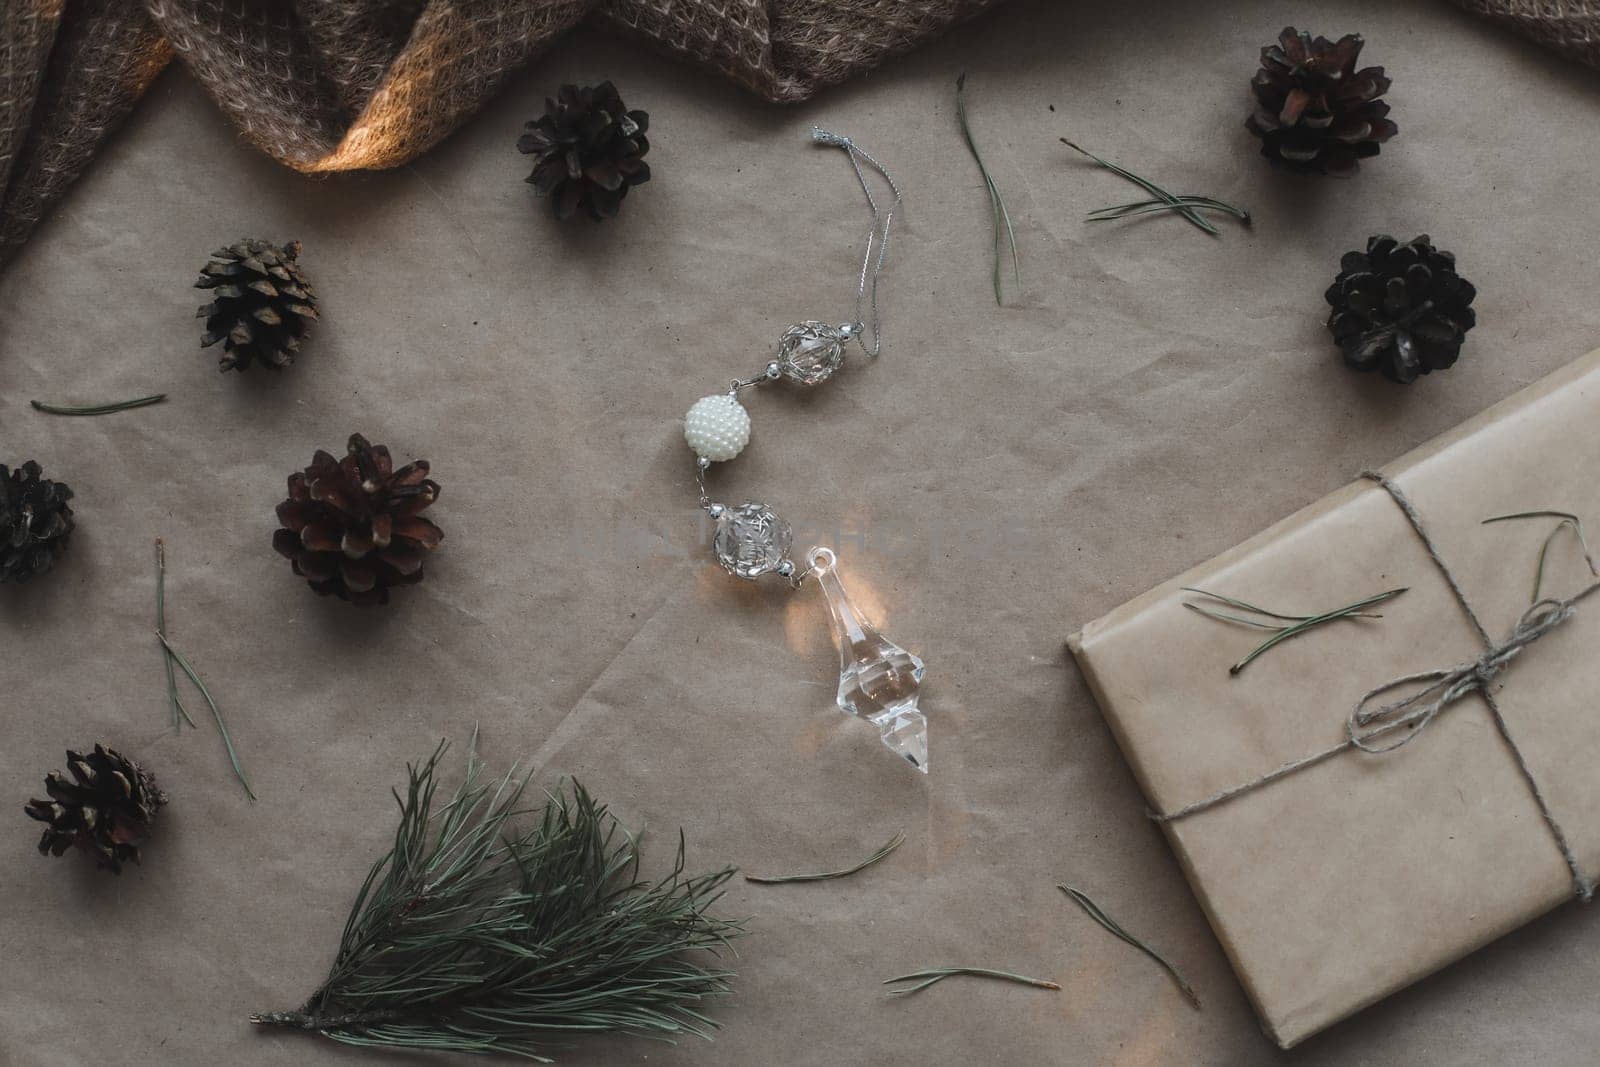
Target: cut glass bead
878,680
751,540
810,352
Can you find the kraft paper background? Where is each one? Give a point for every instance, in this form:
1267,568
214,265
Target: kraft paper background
999,477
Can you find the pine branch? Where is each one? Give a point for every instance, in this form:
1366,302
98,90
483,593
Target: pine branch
472,935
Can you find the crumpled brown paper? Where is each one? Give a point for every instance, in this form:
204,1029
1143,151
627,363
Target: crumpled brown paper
1336,885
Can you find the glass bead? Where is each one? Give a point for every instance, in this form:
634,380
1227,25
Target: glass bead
751,540
809,352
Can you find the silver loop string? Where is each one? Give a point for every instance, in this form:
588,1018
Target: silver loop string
878,236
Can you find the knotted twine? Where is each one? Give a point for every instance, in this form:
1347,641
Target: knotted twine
1386,727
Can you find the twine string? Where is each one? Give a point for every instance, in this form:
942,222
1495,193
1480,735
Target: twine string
1380,728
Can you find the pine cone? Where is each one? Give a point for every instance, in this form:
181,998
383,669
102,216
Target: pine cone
261,304
353,527
1400,308
35,522
589,149
105,809
1317,113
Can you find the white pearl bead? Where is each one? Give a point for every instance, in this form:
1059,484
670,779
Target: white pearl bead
717,427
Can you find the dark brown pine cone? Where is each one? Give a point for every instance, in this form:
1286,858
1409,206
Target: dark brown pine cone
589,151
105,808
261,304
1316,113
1400,308
35,522
354,527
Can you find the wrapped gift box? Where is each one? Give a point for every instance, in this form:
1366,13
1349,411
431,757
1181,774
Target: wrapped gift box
1341,882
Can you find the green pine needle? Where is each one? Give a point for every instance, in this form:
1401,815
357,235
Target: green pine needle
1094,912
179,714
173,656
1181,200
1184,205
935,975
893,843
1568,521
1294,624
474,934
98,409
997,206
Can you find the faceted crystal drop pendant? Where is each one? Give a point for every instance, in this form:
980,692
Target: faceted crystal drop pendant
810,352
751,540
878,680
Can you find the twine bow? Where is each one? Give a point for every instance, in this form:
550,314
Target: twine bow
1386,727
1407,718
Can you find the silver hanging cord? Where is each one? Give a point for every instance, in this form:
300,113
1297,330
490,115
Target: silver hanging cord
871,267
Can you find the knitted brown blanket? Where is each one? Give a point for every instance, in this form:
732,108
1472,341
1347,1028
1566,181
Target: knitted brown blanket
325,85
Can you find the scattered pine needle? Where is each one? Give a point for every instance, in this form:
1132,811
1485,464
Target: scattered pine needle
161,634
1115,928
893,843
173,656
1165,201
935,975
997,206
1568,521
1294,625
1181,200
98,409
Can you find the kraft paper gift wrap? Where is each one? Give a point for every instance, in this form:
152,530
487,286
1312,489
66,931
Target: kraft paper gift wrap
1342,882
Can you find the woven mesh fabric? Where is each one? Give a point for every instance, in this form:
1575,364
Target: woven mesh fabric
326,85
1571,27
103,56
26,34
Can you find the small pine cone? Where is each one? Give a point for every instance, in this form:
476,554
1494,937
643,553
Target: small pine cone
589,151
105,808
35,522
1316,113
1400,308
261,306
353,527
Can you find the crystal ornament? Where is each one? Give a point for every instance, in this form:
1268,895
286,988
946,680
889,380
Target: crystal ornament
810,352
717,427
878,680
751,540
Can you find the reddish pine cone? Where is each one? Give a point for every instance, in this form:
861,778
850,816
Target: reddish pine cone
105,808
1316,113
354,527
